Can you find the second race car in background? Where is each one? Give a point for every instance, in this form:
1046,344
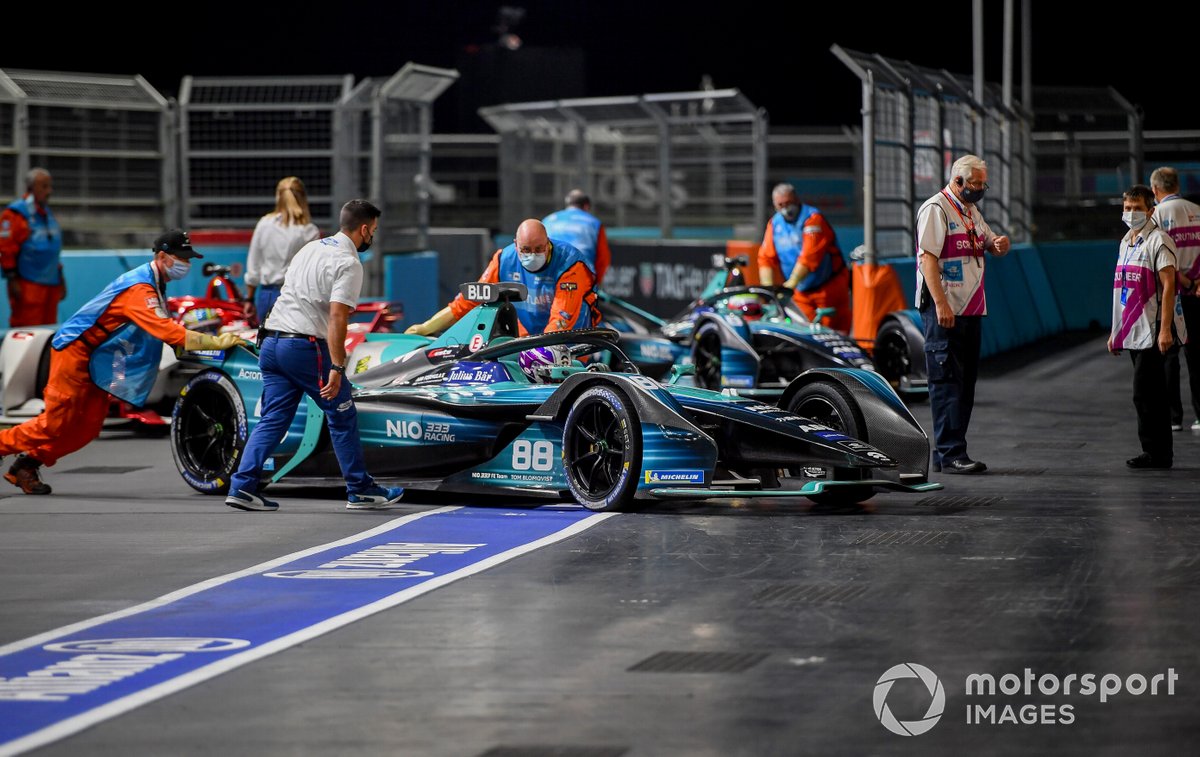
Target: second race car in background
754,339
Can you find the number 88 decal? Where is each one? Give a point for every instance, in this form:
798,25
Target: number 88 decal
537,456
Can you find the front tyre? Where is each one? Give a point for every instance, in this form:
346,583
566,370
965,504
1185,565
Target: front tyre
602,449
208,432
831,405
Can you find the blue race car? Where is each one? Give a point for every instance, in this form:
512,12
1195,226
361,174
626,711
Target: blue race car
754,340
469,413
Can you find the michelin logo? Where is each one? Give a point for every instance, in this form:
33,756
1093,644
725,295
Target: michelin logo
674,476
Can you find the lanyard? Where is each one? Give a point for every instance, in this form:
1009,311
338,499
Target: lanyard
969,225
1137,241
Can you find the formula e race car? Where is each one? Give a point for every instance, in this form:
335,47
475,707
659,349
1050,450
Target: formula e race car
749,338
755,339
468,412
25,352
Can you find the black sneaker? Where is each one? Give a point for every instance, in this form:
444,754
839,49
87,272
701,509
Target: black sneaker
25,476
1145,461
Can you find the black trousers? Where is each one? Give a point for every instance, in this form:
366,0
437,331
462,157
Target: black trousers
1150,401
1191,353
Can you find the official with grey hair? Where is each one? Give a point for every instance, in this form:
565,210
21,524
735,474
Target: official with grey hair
951,239
1180,219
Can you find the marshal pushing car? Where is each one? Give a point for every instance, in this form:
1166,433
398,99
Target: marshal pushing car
482,410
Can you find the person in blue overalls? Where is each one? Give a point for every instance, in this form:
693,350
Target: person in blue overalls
576,226
558,276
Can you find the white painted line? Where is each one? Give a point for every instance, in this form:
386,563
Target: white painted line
112,709
167,599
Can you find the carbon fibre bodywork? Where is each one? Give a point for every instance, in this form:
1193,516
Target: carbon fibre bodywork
475,422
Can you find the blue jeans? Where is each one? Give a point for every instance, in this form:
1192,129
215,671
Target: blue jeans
952,360
292,368
264,300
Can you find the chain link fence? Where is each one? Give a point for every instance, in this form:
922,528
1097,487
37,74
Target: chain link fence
916,122
664,161
106,140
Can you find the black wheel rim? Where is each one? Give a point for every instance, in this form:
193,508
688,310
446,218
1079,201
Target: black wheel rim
891,359
207,432
708,361
596,449
821,410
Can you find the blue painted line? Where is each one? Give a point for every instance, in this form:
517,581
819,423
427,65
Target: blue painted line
63,681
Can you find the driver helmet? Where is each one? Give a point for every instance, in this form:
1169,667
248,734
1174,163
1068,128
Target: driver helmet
204,320
749,306
537,362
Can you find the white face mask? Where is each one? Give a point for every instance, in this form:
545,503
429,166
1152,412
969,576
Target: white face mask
1134,219
178,269
532,261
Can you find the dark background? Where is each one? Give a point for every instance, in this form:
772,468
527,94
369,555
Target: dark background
778,53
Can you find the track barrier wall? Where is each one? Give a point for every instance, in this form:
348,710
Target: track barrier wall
1033,292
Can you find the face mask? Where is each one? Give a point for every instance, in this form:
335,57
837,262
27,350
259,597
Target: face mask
366,243
532,261
1134,219
972,196
790,212
178,269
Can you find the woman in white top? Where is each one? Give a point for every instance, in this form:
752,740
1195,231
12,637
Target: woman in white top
277,238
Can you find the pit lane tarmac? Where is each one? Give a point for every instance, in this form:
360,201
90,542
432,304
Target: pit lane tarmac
688,629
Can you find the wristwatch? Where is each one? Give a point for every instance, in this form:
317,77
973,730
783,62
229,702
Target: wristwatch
339,368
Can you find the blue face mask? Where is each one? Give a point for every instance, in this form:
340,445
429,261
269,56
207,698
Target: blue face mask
178,269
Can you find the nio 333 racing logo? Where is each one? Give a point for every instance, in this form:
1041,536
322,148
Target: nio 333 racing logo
433,432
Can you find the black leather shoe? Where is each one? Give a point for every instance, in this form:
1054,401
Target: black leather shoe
1144,460
966,465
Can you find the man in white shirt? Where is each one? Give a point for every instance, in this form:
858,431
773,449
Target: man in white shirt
1143,315
1181,220
304,352
951,238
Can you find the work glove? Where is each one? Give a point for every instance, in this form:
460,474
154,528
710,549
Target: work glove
198,341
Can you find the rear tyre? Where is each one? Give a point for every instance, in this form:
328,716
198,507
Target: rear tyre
892,358
208,432
602,449
829,404
706,356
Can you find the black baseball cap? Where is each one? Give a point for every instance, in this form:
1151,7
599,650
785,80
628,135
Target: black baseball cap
175,242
